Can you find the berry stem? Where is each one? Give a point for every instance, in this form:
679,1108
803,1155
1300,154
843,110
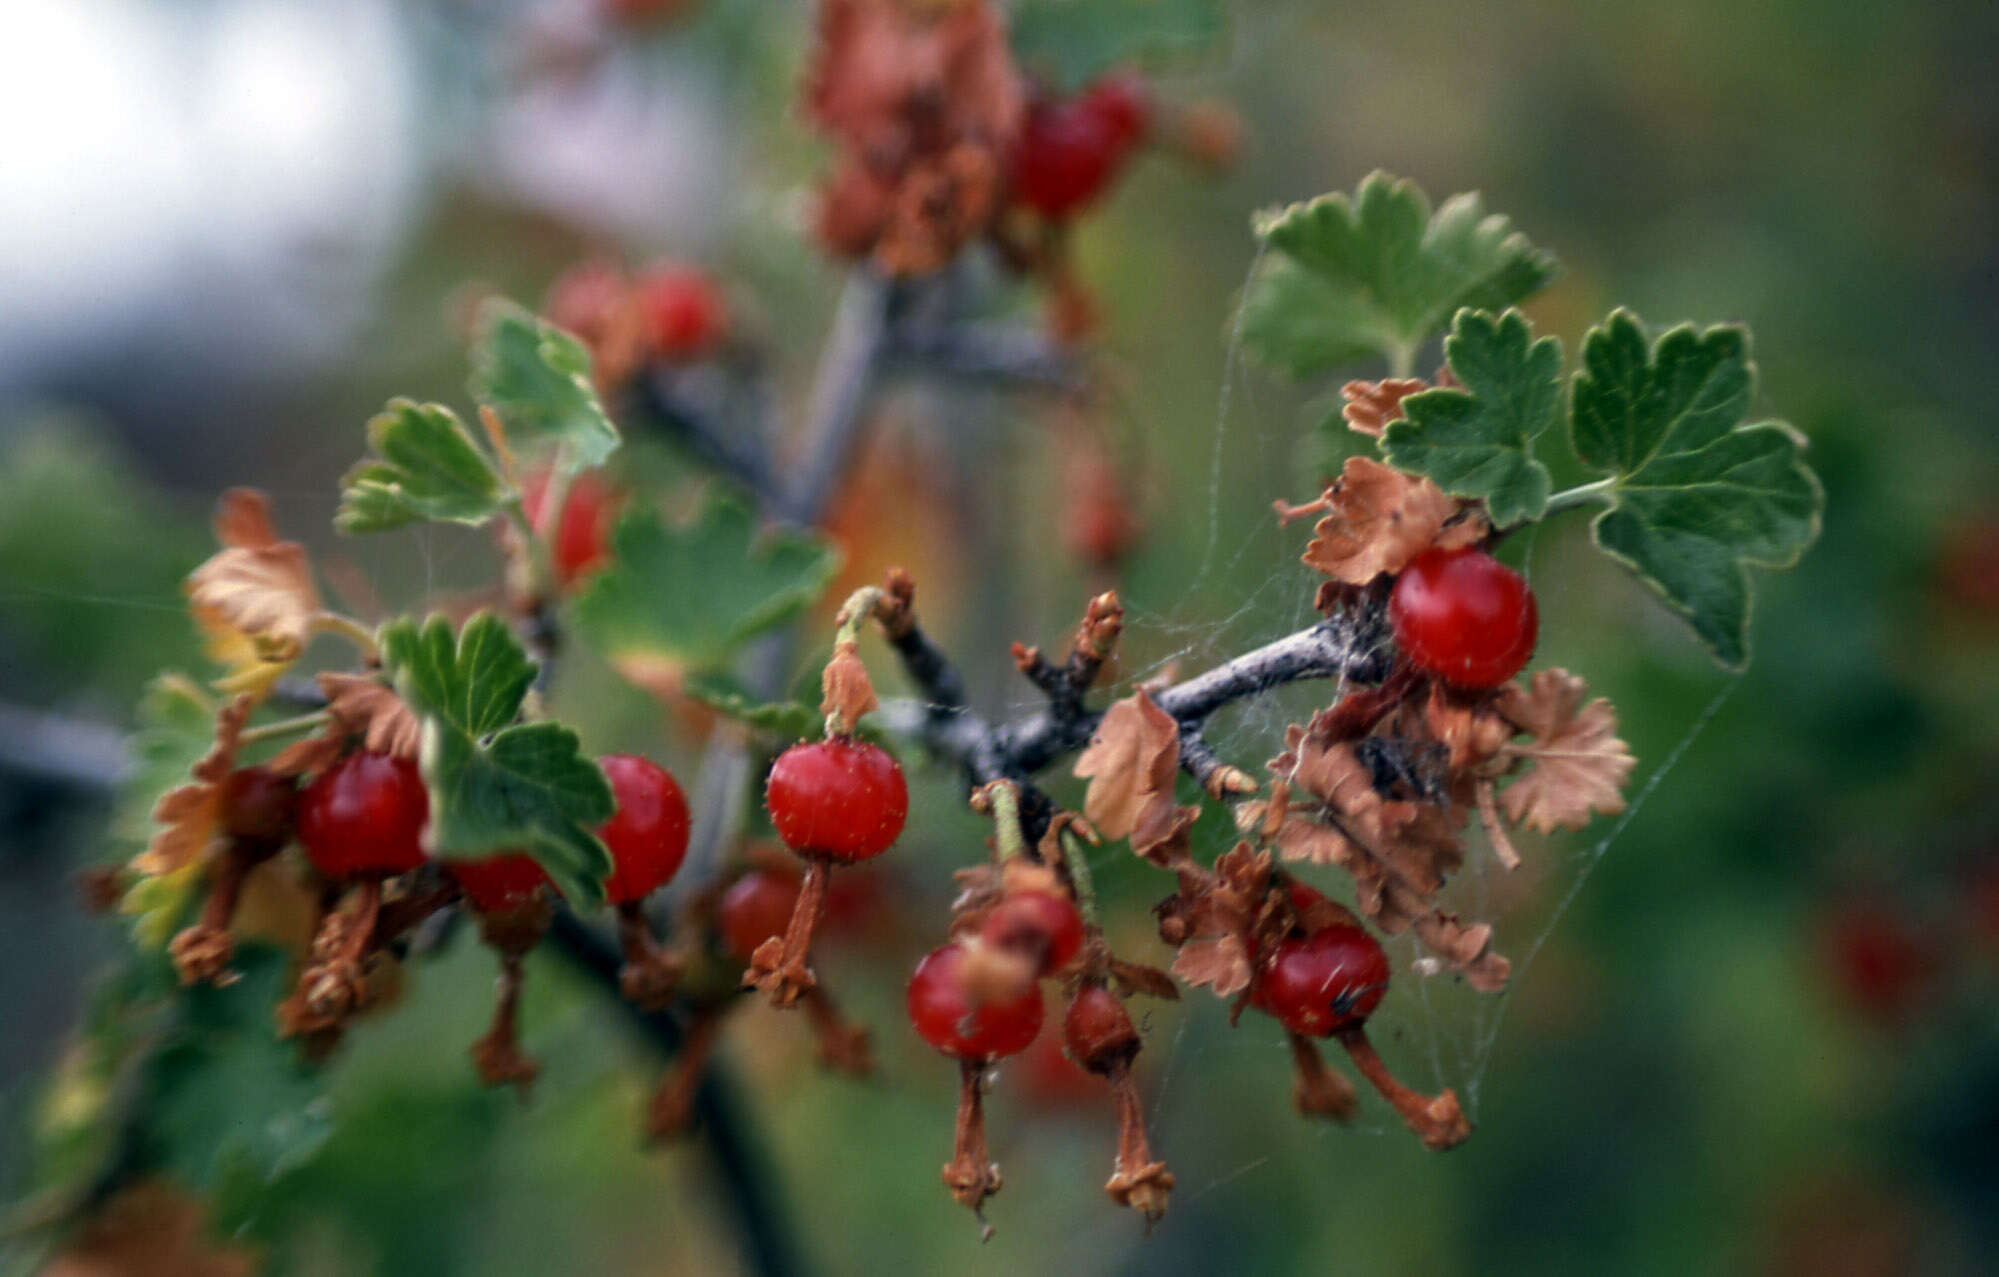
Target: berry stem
971,1175
778,966
843,1046
284,727
671,1111
651,971
498,1055
1082,886
201,952
855,613
1316,1090
1438,1121
351,630
1136,1181
1002,799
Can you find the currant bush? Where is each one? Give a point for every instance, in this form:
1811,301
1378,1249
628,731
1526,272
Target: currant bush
837,799
364,817
1464,616
945,1018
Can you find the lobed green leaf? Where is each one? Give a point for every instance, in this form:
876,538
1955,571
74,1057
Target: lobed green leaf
536,377
682,600
1478,441
425,466
1696,495
1378,274
495,785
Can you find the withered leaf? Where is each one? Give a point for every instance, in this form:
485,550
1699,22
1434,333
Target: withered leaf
1371,405
1217,962
1130,762
188,815
1135,978
1579,764
1381,518
256,585
361,705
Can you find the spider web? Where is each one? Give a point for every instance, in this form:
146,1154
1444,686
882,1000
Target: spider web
1436,1031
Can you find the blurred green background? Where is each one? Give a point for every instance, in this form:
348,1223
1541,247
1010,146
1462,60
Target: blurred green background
1753,1028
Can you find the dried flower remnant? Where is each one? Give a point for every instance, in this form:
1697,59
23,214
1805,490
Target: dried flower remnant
924,101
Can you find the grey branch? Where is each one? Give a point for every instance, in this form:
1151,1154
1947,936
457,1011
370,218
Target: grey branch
1348,645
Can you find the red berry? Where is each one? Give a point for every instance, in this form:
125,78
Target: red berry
363,817
499,884
947,1020
1464,616
1037,923
756,907
1123,102
648,834
682,310
1879,961
1097,1030
1066,155
1319,984
837,799
580,542
257,804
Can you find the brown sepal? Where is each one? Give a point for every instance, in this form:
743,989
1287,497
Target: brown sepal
848,693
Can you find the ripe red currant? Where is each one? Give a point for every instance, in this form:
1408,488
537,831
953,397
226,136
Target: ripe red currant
948,1021
1464,616
1037,923
257,804
1067,153
1879,962
756,907
579,542
363,817
499,884
648,834
585,300
1319,984
1123,102
682,310
837,799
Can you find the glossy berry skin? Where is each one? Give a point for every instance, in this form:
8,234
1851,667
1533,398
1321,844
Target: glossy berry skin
756,907
837,799
258,805
648,834
682,311
499,884
1321,984
581,541
364,816
1464,616
1036,922
946,1020
1067,153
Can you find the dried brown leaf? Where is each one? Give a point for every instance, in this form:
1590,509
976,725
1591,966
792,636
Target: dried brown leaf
1381,518
1130,762
1579,764
189,814
243,519
1218,962
150,1229
848,693
1371,405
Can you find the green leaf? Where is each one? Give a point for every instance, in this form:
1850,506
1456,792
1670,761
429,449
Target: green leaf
1696,496
680,600
536,377
497,786
426,466
1479,441
227,1100
1376,273
792,720
1067,43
